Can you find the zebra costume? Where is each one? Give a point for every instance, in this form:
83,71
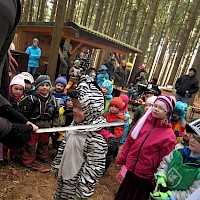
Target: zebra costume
81,157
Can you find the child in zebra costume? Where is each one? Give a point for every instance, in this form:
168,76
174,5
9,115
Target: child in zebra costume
81,157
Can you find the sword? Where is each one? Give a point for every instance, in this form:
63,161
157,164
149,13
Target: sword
79,127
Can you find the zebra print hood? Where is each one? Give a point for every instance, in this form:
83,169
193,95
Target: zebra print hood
91,99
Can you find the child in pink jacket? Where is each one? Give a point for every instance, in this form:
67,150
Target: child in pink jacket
148,142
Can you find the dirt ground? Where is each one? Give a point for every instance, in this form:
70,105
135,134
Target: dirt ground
19,183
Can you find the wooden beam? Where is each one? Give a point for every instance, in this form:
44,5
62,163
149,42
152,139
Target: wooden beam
101,58
76,48
97,45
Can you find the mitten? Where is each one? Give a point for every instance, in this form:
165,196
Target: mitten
160,182
163,195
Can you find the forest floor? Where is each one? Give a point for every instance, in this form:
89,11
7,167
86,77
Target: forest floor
19,183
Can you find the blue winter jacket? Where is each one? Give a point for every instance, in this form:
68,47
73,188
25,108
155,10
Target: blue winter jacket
101,77
34,56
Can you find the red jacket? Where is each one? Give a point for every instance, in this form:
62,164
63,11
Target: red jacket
143,155
117,130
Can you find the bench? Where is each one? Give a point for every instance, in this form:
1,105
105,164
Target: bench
194,109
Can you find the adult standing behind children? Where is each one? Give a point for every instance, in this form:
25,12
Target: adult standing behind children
110,68
186,86
34,55
147,143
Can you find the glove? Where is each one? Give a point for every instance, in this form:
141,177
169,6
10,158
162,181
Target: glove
19,134
161,185
177,133
163,195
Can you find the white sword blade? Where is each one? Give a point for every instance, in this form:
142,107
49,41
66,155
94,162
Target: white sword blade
80,127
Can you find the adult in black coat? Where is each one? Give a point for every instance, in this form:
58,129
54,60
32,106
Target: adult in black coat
10,11
186,86
15,129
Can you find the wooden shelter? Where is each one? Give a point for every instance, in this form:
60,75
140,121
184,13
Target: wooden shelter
77,35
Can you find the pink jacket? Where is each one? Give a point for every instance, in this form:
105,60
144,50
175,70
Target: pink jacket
143,155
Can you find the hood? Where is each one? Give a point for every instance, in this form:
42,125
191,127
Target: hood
91,99
109,85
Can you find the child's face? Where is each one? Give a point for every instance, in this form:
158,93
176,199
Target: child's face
59,87
147,95
159,110
17,90
28,85
103,71
194,142
69,103
78,113
114,109
93,76
147,106
44,89
104,90
35,43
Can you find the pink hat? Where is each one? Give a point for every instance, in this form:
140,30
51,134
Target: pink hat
168,100
18,80
151,100
125,99
142,67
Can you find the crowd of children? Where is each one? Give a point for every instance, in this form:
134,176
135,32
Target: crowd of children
83,155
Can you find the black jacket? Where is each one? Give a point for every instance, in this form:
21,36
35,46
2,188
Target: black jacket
41,111
185,83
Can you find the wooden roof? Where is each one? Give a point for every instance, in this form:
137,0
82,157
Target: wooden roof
83,34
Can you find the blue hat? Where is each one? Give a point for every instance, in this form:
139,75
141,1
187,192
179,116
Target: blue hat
181,109
42,79
103,67
61,80
109,85
35,40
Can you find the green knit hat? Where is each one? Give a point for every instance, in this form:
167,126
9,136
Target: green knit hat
42,79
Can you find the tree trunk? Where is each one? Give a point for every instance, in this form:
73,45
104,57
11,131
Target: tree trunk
71,9
56,38
86,13
192,45
120,30
31,11
193,13
42,8
115,17
90,15
108,17
38,11
160,61
103,17
133,22
146,35
53,11
98,15
26,11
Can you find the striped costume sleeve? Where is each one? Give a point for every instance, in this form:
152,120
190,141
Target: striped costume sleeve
56,163
95,158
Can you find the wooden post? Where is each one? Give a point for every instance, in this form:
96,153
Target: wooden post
101,58
56,37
